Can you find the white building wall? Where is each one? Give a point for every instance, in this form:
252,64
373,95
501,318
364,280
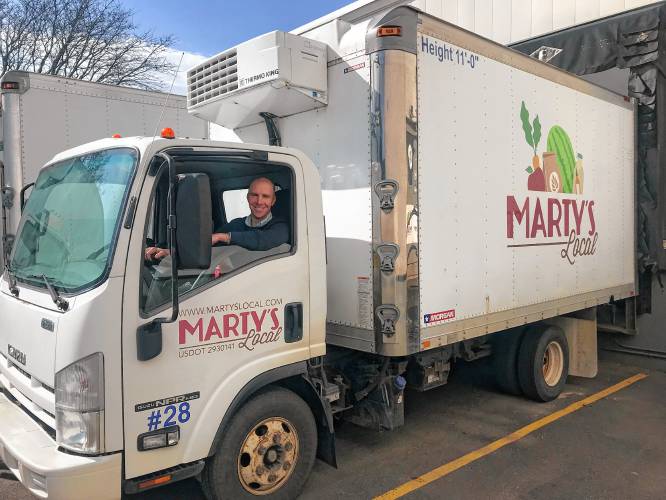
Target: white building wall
504,21
507,21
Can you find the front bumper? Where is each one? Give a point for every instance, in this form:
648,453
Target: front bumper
33,456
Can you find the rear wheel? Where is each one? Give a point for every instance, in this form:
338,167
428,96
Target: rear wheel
543,363
268,449
505,360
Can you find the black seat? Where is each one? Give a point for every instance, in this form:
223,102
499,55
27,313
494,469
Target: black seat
282,207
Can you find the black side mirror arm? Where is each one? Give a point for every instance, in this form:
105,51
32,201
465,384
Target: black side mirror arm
22,194
149,335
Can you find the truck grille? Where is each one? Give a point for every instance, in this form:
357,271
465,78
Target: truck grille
36,398
215,77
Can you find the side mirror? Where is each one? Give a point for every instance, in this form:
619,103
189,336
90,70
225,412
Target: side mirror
194,220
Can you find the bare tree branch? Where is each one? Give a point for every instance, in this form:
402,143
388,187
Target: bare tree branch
95,40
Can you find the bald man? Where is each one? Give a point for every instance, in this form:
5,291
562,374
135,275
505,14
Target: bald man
258,231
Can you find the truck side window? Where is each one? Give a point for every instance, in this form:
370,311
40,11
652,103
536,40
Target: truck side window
252,240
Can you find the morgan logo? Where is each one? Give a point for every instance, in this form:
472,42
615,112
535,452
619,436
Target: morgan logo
16,354
439,316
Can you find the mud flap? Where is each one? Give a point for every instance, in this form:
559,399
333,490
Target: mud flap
580,329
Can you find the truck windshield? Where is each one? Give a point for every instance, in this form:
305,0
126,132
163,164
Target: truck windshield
71,220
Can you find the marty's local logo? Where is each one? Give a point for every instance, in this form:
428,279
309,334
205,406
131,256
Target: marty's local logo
547,221
229,327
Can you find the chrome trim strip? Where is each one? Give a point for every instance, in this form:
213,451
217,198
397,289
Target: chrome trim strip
394,124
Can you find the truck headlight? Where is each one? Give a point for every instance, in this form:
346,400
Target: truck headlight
79,403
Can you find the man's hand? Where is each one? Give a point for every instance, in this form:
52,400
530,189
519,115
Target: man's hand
154,253
221,238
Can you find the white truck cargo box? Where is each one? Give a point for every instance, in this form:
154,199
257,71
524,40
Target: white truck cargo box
526,190
445,219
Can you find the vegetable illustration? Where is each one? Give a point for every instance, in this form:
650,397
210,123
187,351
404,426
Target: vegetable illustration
580,177
532,132
552,173
536,181
560,144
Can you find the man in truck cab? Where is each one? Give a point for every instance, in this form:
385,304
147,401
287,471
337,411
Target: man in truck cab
258,231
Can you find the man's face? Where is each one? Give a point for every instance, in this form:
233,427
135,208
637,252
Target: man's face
261,198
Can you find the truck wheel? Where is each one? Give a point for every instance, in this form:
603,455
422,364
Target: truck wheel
543,363
505,360
268,449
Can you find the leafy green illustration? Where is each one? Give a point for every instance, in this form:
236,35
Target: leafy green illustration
560,144
527,127
529,170
532,130
536,135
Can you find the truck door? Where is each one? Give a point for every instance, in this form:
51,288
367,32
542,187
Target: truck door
239,318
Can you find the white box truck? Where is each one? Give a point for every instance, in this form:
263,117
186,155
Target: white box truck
446,198
42,115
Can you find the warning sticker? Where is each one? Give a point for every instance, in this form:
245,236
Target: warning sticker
364,293
439,316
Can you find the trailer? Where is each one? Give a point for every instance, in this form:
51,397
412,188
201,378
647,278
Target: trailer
45,114
433,197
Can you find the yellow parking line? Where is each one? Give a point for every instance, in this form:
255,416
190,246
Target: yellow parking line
450,467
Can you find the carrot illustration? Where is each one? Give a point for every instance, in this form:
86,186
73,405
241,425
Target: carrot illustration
536,181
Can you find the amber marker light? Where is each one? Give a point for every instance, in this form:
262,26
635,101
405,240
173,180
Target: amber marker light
168,133
155,482
389,31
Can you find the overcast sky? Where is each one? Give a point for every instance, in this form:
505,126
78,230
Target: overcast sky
204,28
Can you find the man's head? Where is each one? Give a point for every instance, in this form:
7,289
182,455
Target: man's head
261,197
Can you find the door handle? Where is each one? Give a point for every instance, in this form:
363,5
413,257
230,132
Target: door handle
293,322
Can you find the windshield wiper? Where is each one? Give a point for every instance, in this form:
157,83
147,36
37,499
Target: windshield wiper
62,304
12,281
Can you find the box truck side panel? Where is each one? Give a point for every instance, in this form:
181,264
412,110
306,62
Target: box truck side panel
337,139
526,191
44,129
58,113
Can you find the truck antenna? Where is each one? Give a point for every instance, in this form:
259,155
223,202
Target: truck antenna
166,100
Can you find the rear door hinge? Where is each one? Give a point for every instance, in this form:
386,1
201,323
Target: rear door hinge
386,191
388,316
387,252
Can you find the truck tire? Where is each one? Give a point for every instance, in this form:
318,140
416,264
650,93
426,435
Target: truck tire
505,360
267,451
543,363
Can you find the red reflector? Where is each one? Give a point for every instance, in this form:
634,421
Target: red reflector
10,85
116,136
155,482
168,133
389,31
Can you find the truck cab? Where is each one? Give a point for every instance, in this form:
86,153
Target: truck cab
120,372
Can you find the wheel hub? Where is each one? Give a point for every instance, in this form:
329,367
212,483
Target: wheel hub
553,363
267,456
